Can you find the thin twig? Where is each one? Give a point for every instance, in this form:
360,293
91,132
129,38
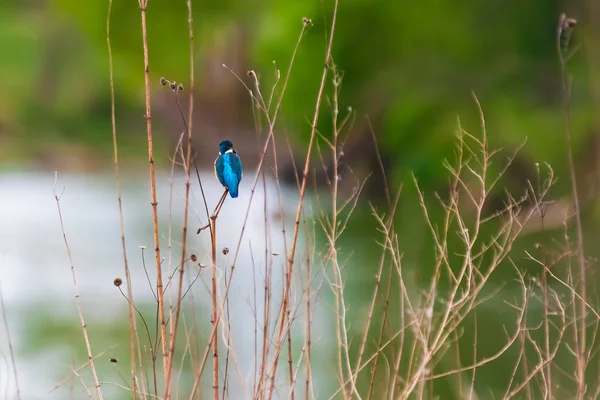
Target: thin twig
81,368
10,346
77,302
228,346
563,25
131,317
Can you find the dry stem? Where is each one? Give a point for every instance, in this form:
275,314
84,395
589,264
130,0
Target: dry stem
159,281
10,346
131,317
582,330
187,165
83,325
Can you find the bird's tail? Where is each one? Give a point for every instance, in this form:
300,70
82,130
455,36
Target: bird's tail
233,191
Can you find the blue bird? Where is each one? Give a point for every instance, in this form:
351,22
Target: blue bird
228,168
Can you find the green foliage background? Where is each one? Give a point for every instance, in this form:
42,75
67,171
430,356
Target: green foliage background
410,66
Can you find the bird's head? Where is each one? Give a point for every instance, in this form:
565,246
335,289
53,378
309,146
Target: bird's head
225,146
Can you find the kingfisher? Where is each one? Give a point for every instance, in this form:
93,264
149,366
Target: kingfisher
228,168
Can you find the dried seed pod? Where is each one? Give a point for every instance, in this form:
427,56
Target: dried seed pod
566,29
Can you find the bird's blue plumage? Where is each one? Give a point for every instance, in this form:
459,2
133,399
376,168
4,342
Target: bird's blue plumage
228,168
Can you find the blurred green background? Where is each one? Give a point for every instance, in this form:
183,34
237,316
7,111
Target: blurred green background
411,67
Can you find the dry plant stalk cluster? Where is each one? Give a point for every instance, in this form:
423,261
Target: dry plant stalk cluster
397,353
